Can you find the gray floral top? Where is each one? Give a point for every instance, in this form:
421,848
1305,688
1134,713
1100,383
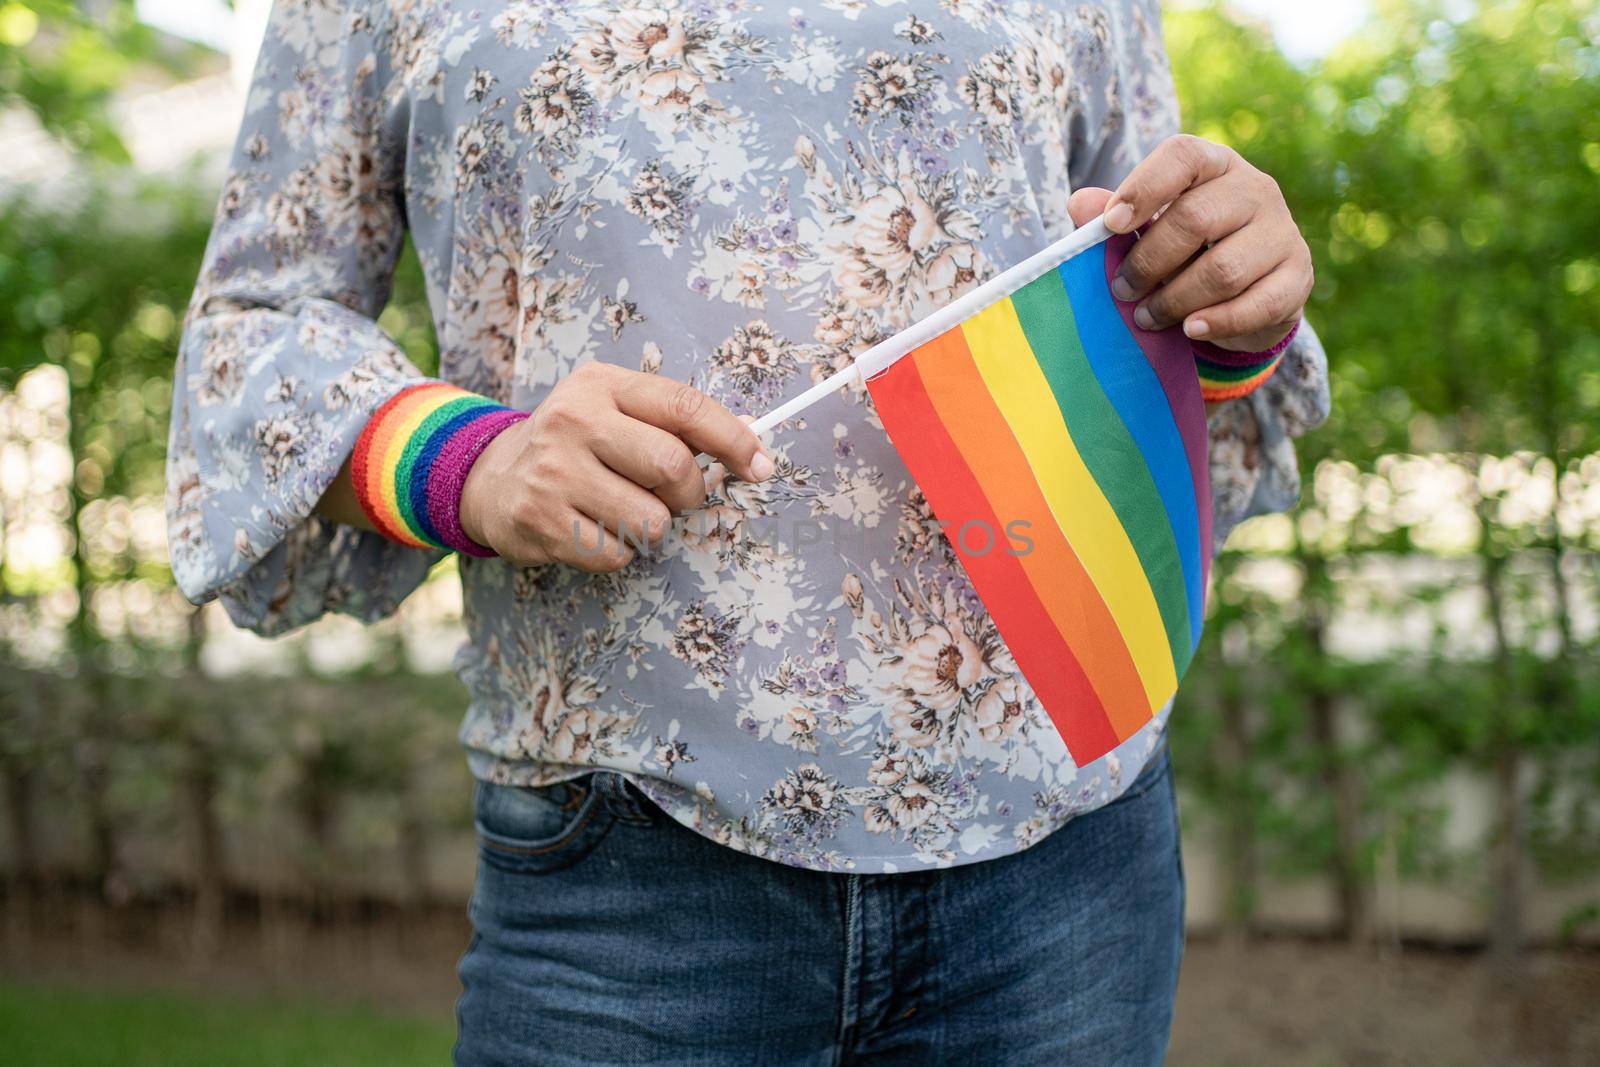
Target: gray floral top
735,193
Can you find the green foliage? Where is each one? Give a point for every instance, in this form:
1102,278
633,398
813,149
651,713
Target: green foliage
100,290
76,1028
1445,173
63,59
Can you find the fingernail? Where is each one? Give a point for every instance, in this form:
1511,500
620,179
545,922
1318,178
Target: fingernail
1143,318
1119,217
1197,328
1121,289
761,466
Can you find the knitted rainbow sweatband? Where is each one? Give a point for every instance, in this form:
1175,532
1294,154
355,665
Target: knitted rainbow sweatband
1225,375
411,461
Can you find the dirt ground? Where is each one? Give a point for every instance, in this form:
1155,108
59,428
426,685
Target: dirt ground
1281,1002
1297,1003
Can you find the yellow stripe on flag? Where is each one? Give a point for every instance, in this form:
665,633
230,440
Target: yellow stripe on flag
1018,385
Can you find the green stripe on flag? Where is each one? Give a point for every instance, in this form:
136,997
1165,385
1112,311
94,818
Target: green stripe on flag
1108,449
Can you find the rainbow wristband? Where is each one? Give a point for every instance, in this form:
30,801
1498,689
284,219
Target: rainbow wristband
411,462
1225,375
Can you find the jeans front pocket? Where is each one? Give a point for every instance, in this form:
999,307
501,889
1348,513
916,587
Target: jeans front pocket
525,830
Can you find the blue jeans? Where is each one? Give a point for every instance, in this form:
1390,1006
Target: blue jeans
605,933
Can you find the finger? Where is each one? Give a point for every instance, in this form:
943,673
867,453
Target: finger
631,512
1277,300
1227,269
526,547
1087,204
654,459
1194,220
1178,163
704,424
585,543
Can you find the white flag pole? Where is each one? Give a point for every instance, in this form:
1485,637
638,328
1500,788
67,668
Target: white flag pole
879,357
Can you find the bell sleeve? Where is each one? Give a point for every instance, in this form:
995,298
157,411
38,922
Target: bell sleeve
281,360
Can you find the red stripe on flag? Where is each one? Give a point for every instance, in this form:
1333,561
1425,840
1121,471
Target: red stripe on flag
956,498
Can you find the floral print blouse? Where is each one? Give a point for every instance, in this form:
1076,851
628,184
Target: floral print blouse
735,193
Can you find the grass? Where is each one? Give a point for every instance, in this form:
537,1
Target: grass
59,1026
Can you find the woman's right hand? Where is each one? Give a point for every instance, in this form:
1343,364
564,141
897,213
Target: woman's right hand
610,449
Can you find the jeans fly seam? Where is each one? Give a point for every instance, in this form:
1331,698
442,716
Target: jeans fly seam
850,984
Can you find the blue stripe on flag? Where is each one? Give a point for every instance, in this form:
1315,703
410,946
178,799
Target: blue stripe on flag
1136,394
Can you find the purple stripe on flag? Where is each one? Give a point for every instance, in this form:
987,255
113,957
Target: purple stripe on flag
1172,359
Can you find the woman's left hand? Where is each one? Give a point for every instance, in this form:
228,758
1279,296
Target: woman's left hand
1223,256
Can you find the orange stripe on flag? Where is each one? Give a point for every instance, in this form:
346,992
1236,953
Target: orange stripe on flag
1014,378
1040,651
981,434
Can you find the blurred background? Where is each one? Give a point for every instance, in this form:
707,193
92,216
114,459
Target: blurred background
227,850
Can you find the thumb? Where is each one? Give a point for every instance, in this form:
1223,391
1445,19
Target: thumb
1087,204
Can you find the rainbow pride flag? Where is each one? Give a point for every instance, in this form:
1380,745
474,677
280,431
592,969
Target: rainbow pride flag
1036,400
1051,408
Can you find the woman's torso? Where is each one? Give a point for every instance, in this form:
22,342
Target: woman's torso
741,195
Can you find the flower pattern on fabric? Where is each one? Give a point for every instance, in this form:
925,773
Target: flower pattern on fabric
733,193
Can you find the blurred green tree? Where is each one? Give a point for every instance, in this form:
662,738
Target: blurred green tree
1444,167
66,59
